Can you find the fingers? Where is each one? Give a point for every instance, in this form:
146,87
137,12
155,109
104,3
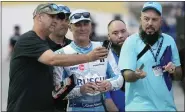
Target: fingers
93,86
57,87
101,50
102,54
98,53
140,74
170,67
104,86
138,71
89,87
143,75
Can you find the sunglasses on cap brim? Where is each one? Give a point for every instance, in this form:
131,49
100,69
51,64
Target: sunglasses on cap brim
79,15
64,9
53,7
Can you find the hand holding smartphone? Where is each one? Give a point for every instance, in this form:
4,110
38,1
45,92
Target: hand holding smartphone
140,74
107,44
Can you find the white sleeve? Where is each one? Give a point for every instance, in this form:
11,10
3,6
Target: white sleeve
116,79
58,75
74,93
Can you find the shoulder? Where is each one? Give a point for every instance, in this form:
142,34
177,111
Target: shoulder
168,40
132,39
28,36
167,37
30,40
66,50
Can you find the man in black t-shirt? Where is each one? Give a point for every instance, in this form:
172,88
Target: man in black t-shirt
58,40
31,81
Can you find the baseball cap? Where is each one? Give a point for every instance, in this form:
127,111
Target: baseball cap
64,9
48,8
79,15
153,5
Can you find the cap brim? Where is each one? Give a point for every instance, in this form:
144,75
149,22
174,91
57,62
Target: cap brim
54,12
81,19
150,7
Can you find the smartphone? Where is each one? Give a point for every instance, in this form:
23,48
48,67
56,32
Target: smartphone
107,44
141,67
66,86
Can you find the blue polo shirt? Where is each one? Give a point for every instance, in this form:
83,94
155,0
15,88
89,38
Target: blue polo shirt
118,96
150,93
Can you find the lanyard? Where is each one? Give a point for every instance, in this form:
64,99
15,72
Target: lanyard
158,50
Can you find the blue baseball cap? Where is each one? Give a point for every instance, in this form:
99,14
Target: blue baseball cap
79,15
153,5
64,9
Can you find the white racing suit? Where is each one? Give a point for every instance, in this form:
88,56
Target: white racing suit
88,72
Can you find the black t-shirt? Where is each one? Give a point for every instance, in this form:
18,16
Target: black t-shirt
53,46
31,82
60,104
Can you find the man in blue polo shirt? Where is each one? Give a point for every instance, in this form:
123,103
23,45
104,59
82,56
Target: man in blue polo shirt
149,89
117,34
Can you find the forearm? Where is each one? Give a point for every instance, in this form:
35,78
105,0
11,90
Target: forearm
130,76
110,106
178,73
69,59
116,82
75,93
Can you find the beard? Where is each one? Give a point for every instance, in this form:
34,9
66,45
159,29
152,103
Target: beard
116,48
149,38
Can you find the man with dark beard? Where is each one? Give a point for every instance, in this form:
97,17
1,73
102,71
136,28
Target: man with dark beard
148,82
117,34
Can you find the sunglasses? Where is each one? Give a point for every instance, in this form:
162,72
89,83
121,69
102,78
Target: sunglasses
53,7
65,9
79,15
61,16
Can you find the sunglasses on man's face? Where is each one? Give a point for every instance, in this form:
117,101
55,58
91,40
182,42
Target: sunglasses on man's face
61,16
65,9
79,15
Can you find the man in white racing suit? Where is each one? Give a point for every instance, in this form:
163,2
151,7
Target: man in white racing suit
90,78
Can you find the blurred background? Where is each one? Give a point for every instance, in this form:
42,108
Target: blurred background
17,19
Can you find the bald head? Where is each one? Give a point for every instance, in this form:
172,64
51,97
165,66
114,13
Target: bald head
117,31
115,20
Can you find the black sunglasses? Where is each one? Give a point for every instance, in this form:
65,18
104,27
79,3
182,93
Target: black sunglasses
61,16
79,15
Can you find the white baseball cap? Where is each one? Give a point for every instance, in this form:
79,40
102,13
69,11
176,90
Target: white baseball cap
79,15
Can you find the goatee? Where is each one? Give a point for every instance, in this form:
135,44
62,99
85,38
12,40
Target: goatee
116,48
149,38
